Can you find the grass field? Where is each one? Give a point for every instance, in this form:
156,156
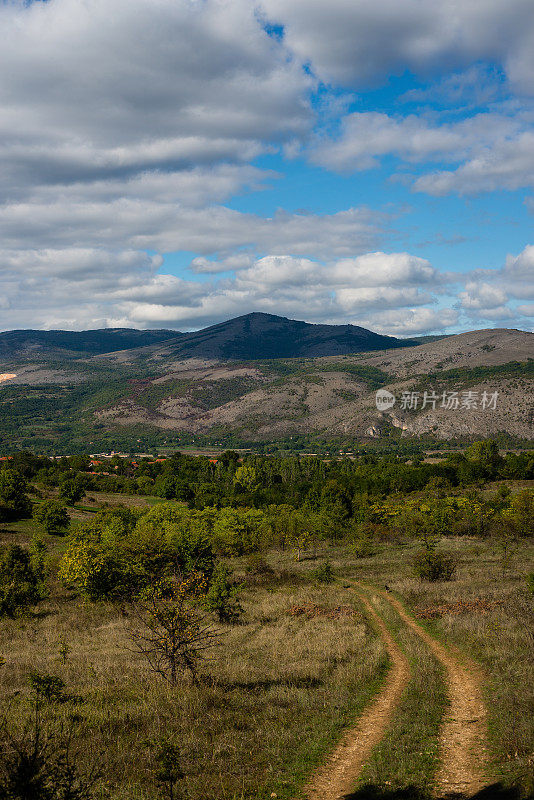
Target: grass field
276,694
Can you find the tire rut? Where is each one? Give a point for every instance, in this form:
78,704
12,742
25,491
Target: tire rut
337,778
463,748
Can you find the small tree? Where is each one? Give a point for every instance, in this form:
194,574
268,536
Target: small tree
431,565
21,581
324,573
52,516
71,490
168,772
14,501
172,633
222,595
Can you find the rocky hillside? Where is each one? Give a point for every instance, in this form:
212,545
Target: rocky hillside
156,388
336,395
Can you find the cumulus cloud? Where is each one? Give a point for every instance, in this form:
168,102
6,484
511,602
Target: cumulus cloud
125,289
497,149
104,89
354,42
413,322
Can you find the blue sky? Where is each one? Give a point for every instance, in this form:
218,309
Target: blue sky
174,163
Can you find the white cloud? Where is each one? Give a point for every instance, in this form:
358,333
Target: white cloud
386,269
125,288
355,42
497,150
507,164
482,296
413,322
108,88
166,227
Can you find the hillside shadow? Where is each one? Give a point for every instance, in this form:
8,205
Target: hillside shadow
494,792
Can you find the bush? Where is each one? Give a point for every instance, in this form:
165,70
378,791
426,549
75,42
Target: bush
49,687
21,580
431,565
324,573
14,502
39,760
169,771
71,490
222,596
52,516
117,554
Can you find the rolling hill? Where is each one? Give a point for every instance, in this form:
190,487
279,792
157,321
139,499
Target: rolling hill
61,344
195,385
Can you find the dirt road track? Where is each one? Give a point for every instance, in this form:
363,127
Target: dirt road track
341,772
463,749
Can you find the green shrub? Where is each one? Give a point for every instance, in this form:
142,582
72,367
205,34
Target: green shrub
14,502
431,565
39,758
222,596
324,573
49,687
52,516
117,555
71,490
21,581
169,771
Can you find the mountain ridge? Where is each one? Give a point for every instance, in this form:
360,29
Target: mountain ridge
246,337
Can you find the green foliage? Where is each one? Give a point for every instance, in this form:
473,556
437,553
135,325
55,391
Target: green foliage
237,531
52,516
49,687
324,573
21,584
246,477
520,514
71,489
222,596
168,771
363,543
530,581
118,554
432,565
14,502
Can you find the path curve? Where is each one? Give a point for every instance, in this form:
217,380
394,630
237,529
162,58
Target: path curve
463,747
337,778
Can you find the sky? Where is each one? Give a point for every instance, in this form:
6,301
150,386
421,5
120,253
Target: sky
176,163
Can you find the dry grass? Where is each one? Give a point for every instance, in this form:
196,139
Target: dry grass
498,631
271,700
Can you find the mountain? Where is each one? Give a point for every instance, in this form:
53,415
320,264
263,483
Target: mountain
251,336
261,336
335,395
213,385
30,343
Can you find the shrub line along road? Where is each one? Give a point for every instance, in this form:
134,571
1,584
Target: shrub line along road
463,748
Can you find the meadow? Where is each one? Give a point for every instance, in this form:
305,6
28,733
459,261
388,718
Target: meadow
288,676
